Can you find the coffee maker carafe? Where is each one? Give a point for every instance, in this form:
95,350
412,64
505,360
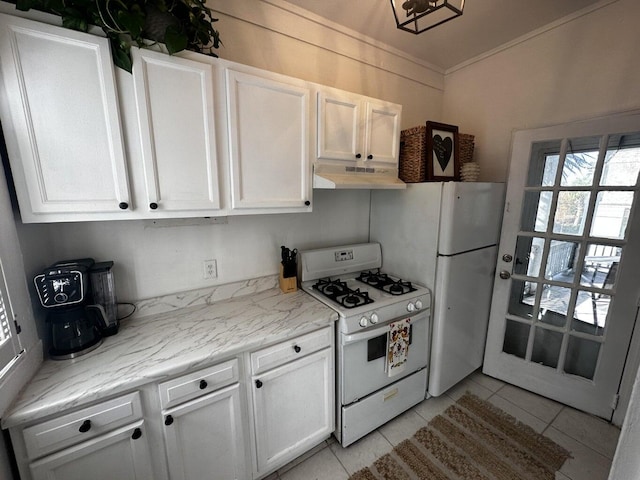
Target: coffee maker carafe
80,297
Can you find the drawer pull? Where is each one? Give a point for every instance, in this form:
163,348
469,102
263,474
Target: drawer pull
297,348
258,384
85,427
168,420
137,433
203,384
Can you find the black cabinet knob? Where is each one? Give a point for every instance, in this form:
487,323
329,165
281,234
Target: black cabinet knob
137,433
203,384
297,348
258,384
369,157
168,420
123,205
153,206
307,203
358,155
85,427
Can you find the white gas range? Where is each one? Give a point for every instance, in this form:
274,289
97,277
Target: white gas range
382,335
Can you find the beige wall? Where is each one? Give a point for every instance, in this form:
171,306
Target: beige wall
585,68
258,33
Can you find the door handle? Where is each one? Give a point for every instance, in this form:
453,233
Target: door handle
504,275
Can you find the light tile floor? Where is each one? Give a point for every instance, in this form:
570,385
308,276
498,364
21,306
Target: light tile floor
591,441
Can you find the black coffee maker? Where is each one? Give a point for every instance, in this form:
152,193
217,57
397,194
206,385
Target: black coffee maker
80,297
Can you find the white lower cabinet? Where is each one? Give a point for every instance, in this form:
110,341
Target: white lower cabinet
102,442
293,405
228,421
203,424
121,454
204,438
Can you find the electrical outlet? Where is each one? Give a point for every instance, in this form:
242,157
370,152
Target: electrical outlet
210,269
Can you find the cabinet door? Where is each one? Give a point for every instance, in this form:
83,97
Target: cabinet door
382,135
175,104
121,454
339,127
293,408
205,436
269,143
62,123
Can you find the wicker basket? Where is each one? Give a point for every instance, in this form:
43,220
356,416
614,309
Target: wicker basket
465,142
412,166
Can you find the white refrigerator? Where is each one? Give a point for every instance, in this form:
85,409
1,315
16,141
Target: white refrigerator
445,236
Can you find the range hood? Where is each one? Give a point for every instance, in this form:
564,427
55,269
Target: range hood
340,177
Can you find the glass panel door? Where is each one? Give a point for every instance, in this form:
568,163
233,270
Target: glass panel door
553,318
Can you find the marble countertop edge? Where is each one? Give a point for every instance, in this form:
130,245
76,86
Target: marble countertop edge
153,348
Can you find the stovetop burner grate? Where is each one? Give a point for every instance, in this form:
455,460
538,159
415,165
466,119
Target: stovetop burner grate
338,291
382,281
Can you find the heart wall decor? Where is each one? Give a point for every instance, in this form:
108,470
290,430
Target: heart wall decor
443,149
442,152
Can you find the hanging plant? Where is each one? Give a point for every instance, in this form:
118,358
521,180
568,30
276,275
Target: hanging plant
178,24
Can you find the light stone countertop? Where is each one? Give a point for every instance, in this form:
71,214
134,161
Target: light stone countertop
153,347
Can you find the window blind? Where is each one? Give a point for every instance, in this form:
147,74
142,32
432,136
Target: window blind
8,338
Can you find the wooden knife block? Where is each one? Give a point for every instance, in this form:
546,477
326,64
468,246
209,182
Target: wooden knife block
287,285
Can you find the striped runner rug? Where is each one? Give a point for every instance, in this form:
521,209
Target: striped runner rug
471,440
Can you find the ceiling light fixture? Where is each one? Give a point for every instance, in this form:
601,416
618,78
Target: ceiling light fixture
417,16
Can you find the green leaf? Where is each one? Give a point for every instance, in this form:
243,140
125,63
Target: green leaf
74,22
132,22
121,55
175,39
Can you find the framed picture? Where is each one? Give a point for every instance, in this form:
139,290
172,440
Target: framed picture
442,152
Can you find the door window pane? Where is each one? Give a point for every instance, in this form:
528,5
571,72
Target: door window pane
591,312
578,169
516,337
550,169
546,347
582,357
560,261
621,167
528,256
600,266
554,302
611,214
571,212
522,298
536,208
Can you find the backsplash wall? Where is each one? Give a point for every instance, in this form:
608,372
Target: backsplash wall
152,260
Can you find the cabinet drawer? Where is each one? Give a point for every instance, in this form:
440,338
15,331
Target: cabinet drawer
82,425
198,383
290,350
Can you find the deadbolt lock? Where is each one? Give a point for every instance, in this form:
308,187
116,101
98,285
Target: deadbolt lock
506,257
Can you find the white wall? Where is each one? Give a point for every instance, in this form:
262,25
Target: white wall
585,68
152,260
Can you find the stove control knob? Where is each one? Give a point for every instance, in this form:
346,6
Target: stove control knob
419,304
411,307
374,318
364,322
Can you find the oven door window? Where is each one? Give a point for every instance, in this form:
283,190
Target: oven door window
377,347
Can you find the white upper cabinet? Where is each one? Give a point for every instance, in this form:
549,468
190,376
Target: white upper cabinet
175,106
61,120
269,128
356,129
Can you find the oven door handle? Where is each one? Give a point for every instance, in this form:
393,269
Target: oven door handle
359,337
